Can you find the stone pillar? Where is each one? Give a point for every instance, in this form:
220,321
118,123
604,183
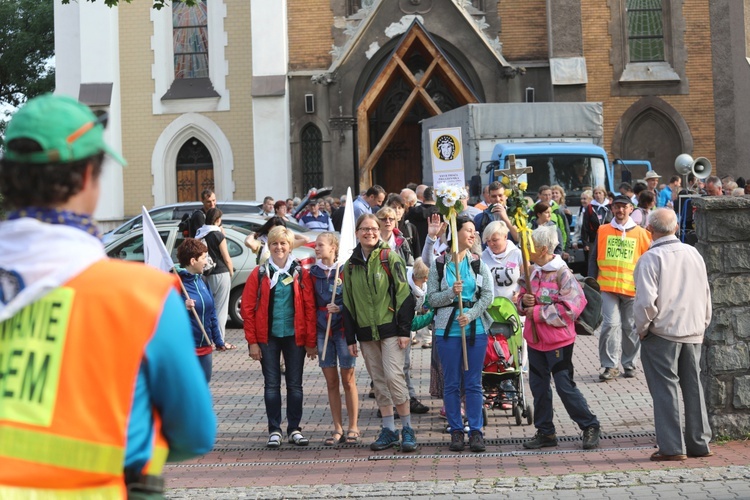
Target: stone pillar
723,230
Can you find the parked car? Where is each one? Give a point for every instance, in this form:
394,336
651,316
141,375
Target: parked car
254,222
130,247
175,211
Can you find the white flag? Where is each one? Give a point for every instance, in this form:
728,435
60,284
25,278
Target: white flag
154,252
348,239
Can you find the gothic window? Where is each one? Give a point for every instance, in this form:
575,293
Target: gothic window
645,30
353,6
190,38
195,170
648,48
312,157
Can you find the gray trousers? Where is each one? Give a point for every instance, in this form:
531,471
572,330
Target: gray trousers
618,338
220,285
671,366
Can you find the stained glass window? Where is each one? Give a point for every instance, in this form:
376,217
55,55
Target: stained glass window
190,38
645,30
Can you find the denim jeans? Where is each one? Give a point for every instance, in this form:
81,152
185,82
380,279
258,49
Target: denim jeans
206,364
294,359
558,363
452,360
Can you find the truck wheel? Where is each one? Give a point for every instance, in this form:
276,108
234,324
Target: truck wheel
235,301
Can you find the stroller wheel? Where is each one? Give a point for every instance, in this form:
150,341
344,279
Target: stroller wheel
517,412
529,415
484,417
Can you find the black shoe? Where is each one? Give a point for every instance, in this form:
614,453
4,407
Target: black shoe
371,395
629,373
591,437
540,441
476,441
416,407
457,441
609,374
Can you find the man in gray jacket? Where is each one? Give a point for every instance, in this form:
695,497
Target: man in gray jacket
672,310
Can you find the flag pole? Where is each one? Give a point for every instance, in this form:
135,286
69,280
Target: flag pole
333,302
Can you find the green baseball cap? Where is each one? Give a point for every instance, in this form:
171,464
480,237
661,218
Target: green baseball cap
66,129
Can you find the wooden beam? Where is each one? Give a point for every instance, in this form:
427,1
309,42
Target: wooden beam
363,147
378,151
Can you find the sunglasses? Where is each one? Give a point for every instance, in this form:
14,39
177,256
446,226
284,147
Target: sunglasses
102,119
387,219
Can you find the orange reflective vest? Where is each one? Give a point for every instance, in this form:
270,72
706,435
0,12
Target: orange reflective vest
68,367
616,257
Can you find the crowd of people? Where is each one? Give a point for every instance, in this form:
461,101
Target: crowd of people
401,287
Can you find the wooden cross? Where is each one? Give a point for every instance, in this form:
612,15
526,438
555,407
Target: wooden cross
512,171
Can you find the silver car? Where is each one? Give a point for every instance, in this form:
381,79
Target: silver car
176,211
130,247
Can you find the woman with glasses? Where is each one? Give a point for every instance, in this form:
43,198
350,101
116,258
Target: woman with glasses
390,234
378,311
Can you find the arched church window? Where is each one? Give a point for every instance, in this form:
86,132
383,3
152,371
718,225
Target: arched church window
645,31
190,38
195,170
312,157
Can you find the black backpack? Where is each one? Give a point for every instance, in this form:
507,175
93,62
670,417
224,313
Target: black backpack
591,316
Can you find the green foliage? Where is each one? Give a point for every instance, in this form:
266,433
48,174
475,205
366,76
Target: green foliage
27,42
158,4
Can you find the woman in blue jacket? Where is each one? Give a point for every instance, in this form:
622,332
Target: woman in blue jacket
192,257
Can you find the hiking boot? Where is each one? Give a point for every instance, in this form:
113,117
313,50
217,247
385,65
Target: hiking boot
416,407
609,374
457,441
476,441
386,439
408,439
629,373
541,441
591,437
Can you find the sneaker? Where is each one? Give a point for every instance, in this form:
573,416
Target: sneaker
416,407
476,441
408,439
591,437
457,441
541,441
629,373
386,439
427,345
609,374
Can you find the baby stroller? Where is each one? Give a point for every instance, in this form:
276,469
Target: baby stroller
502,375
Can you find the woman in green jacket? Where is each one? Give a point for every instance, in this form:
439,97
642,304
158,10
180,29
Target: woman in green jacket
378,310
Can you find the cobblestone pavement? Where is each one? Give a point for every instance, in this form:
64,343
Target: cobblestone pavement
241,467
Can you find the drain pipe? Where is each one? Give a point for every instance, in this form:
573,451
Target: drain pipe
550,45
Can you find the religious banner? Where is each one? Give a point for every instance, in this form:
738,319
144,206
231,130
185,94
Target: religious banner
447,157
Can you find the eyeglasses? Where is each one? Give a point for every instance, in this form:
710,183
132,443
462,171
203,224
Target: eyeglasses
387,219
369,229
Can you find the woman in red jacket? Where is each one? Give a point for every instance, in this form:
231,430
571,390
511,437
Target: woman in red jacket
278,308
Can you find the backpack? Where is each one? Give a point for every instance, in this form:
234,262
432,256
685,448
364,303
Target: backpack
184,226
440,266
591,316
497,357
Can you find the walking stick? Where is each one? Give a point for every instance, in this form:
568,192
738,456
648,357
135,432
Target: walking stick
454,245
333,302
195,313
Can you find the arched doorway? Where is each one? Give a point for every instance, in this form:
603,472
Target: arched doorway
651,129
417,81
195,170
